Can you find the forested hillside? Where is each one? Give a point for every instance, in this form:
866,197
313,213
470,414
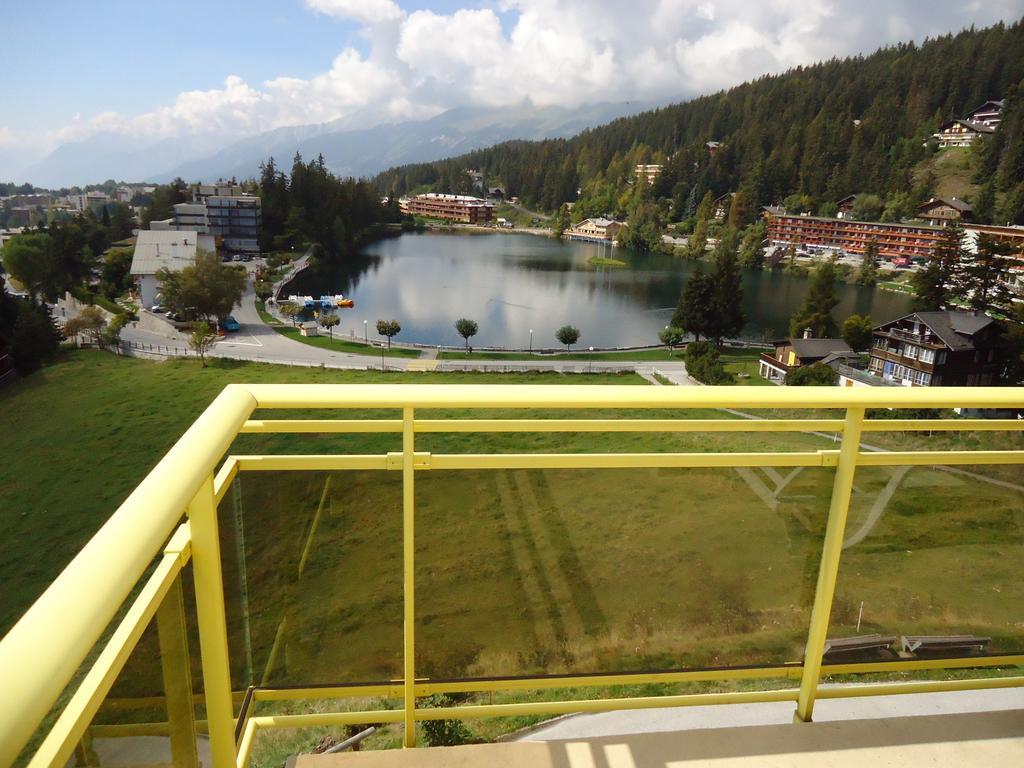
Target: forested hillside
857,125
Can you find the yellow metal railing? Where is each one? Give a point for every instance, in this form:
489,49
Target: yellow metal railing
42,654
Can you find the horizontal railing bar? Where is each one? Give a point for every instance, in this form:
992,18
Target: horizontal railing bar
222,480
78,713
628,425
259,426
937,458
475,711
315,719
460,396
382,690
943,425
924,686
630,460
606,679
324,463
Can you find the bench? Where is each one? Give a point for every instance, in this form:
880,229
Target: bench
836,646
943,644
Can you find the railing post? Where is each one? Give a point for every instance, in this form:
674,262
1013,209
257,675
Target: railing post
177,675
408,577
213,637
829,569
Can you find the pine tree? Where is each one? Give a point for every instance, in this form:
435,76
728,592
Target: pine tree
867,275
726,318
696,304
816,311
982,279
934,285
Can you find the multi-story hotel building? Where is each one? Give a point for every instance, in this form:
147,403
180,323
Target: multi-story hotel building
895,241
460,208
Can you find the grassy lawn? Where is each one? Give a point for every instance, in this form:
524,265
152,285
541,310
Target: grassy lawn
518,571
743,363
342,345
265,316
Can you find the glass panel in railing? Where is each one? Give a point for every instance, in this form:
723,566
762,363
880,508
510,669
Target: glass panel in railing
597,570
931,564
316,591
149,715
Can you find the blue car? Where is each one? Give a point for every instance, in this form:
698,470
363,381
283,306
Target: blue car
230,324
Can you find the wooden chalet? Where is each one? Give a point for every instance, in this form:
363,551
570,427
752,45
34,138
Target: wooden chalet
946,348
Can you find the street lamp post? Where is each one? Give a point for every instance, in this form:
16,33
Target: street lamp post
590,367
366,339
531,340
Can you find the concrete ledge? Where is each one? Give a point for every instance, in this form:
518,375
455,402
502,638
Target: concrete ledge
972,740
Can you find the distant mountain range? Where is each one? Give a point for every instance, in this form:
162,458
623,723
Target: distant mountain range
347,152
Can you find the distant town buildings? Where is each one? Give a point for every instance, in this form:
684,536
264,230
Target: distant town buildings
962,132
94,201
647,173
940,212
156,250
599,230
455,208
948,348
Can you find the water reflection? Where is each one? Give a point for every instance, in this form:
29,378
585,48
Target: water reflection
510,283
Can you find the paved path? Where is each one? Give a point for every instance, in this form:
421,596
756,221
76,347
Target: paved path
775,713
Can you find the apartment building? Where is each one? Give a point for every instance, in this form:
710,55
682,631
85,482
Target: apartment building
457,208
847,236
235,220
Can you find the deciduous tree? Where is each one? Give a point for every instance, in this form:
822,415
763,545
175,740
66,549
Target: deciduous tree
568,335
389,328
467,329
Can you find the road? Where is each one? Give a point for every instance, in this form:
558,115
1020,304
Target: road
259,342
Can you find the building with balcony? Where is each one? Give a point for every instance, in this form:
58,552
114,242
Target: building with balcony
961,133
191,217
456,208
988,113
647,173
597,230
844,207
235,220
231,593
720,208
791,354
951,348
940,212
817,234
88,201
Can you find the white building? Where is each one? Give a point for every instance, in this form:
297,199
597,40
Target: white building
191,217
156,250
89,200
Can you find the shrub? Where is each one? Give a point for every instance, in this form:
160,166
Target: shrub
704,363
817,375
444,733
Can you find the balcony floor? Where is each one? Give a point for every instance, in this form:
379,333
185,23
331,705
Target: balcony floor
981,739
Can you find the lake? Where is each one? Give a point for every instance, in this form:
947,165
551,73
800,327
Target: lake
509,283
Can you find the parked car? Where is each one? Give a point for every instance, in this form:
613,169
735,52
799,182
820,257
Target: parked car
230,324
157,309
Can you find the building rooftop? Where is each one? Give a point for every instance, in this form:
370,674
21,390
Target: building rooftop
953,327
819,348
171,249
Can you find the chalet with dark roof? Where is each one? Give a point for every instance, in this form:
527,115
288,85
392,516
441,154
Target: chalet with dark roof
844,206
961,133
988,113
795,353
941,211
950,348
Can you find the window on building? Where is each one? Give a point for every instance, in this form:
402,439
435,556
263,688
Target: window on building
927,356
941,357
910,351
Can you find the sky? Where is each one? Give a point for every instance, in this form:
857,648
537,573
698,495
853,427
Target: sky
230,68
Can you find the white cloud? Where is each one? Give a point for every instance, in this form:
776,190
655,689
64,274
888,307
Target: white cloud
360,10
550,51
